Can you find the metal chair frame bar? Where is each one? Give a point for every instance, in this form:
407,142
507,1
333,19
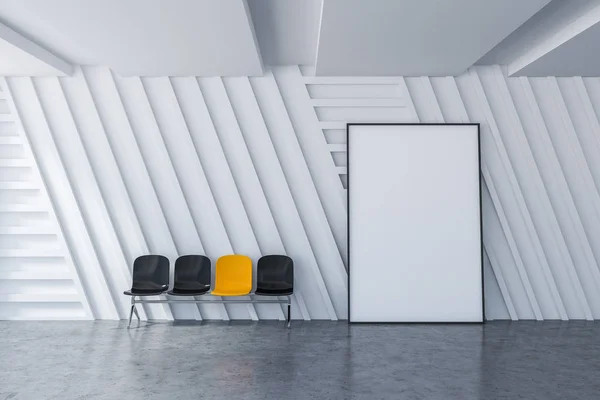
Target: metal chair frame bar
217,300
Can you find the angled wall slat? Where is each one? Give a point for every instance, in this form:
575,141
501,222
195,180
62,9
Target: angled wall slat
519,223
229,127
560,262
307,200
296,175
129,160
185,160
260,149
587,133
67,210
179,228
314,148
501,284
229,131
495,208
424,99
556,187
231,227
571,157
15,271
81,178
108,176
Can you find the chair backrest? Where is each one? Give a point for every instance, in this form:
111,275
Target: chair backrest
150,269
192,269
275,268
233,271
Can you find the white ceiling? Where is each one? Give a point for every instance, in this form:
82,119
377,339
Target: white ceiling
339,37
563,39
567,59
142,37
414,37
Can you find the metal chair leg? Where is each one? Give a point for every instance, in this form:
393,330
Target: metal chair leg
131,311
130,315
135,311
289,313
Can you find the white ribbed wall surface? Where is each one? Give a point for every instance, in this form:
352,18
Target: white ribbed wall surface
38,279
257,166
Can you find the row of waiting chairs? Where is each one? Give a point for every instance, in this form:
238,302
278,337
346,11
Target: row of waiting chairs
192,277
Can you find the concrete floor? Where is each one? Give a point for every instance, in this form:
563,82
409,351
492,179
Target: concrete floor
313,360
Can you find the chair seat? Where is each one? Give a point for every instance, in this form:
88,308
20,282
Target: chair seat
190,286
232,290
274,285
198,291
274,288
273,292
145,292
148,286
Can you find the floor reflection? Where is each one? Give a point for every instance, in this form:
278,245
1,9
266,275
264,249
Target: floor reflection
319,360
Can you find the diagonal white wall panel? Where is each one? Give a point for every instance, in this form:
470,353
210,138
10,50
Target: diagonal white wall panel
188,172
251,125
52,170
108,176
38,277
316,153
562,265
554,178
223,214
517,224
314,206
130,162
71,152
157,161
285,141
258,166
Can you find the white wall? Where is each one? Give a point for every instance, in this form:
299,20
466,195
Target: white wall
257,165
38,279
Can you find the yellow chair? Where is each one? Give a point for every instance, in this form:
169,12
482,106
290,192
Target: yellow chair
233,276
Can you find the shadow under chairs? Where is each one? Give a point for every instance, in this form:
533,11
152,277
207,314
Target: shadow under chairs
150,278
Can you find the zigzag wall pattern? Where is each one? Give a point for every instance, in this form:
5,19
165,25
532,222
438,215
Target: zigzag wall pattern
97,169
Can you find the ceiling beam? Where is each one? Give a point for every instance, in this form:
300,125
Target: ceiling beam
413,37
253,34
60,66
554,40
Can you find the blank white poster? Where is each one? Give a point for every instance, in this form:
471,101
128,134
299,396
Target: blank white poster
414,223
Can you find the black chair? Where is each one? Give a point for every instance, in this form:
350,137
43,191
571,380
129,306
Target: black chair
150,278
275,277
192,276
